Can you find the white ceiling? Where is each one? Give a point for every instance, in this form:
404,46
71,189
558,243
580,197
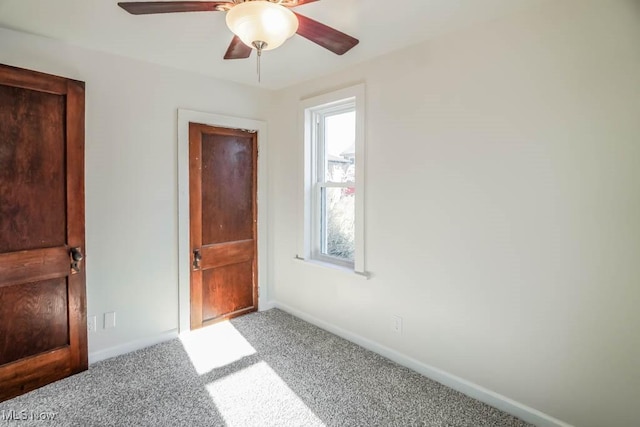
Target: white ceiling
198,41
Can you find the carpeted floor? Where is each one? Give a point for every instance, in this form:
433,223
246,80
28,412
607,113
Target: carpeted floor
263,369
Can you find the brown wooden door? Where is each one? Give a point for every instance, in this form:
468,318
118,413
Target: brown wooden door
43,333
223,223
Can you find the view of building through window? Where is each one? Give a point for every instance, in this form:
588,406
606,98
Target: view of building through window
338,195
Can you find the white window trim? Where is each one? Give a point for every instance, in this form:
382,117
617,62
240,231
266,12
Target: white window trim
305,244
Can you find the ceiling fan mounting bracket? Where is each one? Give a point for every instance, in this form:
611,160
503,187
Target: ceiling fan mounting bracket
226,7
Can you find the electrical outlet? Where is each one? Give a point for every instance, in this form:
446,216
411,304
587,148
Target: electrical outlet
397,325
91,323
110,320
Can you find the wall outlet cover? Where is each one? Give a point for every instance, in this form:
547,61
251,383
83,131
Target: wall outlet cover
110,320
91,323
397,324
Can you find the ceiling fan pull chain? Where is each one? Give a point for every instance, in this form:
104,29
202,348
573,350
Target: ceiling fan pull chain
259,46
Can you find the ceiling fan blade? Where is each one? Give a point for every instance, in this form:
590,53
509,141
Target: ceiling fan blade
327,37
237,49
150,7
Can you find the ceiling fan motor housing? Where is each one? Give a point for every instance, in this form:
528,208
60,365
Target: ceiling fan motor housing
262,23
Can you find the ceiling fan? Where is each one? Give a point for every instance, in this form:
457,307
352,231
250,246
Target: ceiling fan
256,24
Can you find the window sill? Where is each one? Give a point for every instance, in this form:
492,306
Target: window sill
330,266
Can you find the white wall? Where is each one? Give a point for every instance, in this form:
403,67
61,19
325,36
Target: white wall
502,209
502,201
131,178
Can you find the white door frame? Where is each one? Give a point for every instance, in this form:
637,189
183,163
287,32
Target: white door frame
184,264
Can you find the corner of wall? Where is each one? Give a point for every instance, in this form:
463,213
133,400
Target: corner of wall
468,388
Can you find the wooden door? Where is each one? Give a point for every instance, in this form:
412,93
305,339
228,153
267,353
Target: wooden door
43,332
223,223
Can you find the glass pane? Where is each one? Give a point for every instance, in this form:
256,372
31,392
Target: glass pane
340,147
338,216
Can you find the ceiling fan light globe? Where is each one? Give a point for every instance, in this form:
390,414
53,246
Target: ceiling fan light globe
262,21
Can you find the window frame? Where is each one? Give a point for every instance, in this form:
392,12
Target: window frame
320,183
312,109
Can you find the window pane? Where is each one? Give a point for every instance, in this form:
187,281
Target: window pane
339,146
338,216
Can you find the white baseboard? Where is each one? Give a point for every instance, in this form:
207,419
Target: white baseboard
475,391
267,306
121,349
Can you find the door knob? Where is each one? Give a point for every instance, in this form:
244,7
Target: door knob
196,259
76,254
76,257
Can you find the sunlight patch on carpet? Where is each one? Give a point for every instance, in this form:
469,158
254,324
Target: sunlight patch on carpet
215,346
257,396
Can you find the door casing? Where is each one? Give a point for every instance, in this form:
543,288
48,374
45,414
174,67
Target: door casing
184,253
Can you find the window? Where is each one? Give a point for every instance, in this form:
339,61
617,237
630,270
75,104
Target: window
334,187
